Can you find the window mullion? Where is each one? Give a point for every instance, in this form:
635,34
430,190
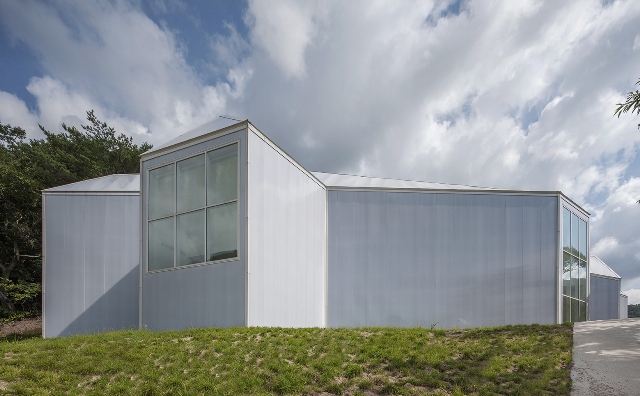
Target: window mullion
175,217
206,200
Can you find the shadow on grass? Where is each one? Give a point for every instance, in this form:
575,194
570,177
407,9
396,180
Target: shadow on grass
20,337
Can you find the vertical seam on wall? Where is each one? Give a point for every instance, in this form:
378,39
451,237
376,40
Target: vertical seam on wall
247,222
141,265
84,258
43,275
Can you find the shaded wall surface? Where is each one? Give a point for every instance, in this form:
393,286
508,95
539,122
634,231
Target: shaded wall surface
604,298
423,259
207,295
91,271
287,234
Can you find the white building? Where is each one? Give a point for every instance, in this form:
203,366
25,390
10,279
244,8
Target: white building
229,230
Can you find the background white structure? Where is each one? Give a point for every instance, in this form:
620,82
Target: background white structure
90,252
313,249
605,298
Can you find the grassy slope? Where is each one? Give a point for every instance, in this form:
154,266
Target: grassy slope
504,360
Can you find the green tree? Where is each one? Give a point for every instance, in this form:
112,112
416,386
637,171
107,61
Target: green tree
631,104
26,168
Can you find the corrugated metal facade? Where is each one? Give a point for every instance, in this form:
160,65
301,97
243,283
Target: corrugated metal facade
604,298
287,240
197,296
312,250
422,259
624,306
90,274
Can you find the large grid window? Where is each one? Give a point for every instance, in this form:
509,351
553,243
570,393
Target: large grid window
574,267
193,210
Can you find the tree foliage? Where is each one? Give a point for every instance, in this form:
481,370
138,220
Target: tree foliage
634,310
632,104
28,167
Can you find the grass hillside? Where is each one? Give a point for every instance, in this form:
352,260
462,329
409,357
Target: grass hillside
518,360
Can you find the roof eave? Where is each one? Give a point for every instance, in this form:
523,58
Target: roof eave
206,136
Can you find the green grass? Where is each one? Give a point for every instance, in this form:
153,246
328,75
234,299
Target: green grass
516,360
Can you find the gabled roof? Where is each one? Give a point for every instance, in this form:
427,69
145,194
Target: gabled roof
208,127
129,183
598,267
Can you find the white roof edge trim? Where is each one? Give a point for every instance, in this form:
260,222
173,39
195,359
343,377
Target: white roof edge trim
166,148
391,180
445,190
289,158
577,207
416,185
602,267
104,185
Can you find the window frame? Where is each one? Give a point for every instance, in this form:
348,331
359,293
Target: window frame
205,208
577,256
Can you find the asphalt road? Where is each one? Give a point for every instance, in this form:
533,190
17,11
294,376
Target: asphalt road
606,358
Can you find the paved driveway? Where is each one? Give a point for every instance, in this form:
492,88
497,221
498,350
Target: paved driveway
606,358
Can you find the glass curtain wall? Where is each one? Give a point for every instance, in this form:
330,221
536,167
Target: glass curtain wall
193,210
574,267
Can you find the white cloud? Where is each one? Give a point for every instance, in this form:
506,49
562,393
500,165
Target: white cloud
111,57
17,114
636,43
605,246
284,29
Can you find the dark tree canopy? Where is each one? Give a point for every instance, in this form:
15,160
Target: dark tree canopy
26,168
632,104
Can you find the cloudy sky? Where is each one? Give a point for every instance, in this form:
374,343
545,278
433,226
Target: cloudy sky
508,94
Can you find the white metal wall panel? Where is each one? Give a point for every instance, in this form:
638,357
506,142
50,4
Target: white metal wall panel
205,296
604,298
513,261
210,295
287,240
91,263
531,256
453,260
549,247
624,306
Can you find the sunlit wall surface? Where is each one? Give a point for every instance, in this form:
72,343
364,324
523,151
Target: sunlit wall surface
574,267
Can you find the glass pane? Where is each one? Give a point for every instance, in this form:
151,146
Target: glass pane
574,234
575,311
222,175
160,244
190,238
566,229
222,231
191,194
583,311
582,274
161,192
566,309
583,239
574,278
566,272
